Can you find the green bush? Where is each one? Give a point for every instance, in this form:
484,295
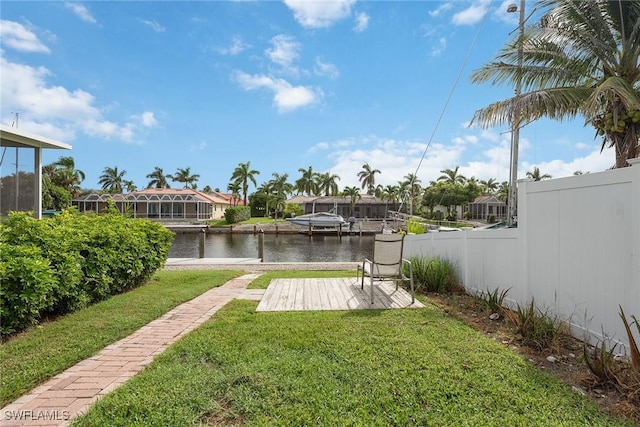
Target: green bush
237,214
28,286
90,256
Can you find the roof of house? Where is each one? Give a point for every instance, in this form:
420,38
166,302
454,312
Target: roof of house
12,137
487,199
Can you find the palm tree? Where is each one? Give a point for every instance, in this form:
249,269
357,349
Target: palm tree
158,179
63,173
280,188
244,174
234,188
184,176
536,176
503,191
367,177
353,193
413,188
390,194
489,186
327,183
307,183
582,59
112,180
451,175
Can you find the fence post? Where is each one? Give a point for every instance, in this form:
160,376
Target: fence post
203,234
261,245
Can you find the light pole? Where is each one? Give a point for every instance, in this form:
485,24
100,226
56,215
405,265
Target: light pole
515,120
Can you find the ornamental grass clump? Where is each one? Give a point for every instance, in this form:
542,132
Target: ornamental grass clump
433,275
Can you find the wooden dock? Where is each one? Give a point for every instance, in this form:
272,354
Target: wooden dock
332,294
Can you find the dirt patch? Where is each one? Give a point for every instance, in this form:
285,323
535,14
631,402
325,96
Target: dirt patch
565,360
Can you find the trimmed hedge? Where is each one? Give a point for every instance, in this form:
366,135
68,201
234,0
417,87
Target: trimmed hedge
236,214
57,265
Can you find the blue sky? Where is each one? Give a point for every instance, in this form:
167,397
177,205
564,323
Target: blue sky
283,85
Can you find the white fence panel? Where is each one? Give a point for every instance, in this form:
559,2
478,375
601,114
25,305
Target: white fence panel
576,251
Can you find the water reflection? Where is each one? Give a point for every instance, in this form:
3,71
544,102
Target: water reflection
277,248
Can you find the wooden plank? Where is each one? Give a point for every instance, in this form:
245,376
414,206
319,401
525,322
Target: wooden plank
332,294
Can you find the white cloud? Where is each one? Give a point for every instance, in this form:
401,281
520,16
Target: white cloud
236,47
81,11
362,22
286,97
473,14
444,7
284,51
326,69
440,47
148,119
16,36
56,111
155,26
319,14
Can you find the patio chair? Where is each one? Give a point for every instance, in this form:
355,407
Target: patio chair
387,262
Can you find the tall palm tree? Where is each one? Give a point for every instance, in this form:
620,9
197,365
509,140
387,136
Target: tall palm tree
390,194
452,175
536,176
244,174
327,184
307,183
367,177
63,173
353,193
581,59
112,180
186,177
158,179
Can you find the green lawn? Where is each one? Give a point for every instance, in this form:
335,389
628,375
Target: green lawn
358,368
49,349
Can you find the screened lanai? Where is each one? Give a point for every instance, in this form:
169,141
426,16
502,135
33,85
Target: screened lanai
161,204
21,169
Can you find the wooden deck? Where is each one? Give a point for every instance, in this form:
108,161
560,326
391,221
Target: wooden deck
332,294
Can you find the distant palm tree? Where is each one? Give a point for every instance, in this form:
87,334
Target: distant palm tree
280,189
503,191
451,175
390,194
307,183
112,180
234,188
327,183
413,188
353,193
367,177
580,58
207,189
63,173
536,176
244,174
489,186
184,176
158,179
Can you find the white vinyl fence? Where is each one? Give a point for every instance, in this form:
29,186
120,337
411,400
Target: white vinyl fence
576,251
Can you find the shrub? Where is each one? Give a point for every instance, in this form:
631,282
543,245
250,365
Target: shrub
433,275
90,257
415,227
236,214
28,286
491,219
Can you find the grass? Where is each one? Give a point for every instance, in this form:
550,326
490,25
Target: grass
369,367
48,349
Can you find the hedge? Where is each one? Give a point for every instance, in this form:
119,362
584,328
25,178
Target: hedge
57,265
236,214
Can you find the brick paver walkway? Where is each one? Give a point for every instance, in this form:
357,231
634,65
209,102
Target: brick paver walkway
68,394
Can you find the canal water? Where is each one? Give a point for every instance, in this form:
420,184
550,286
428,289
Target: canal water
277,248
